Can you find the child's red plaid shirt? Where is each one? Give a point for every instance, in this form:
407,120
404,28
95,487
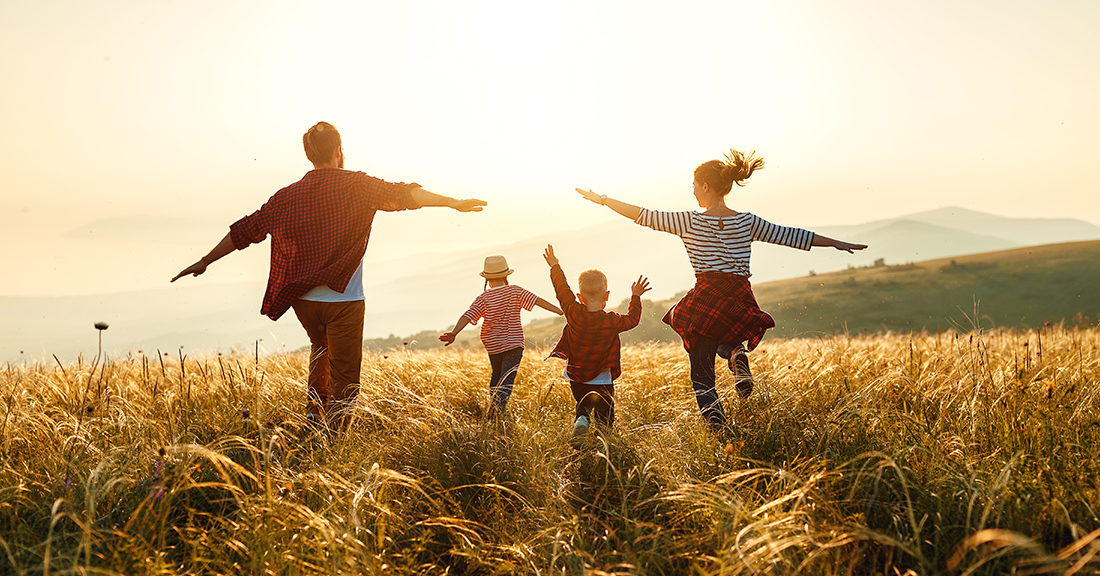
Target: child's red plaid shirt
590,340
319,228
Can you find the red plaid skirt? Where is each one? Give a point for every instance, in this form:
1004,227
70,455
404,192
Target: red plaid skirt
722,307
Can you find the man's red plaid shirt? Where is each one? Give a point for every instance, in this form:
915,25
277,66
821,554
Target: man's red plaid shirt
590,340
319,228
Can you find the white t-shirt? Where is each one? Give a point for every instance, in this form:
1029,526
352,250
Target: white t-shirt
352,293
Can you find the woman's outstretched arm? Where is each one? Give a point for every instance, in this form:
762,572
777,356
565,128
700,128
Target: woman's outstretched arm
628,210
848,247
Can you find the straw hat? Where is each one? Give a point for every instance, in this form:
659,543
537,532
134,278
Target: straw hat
496,267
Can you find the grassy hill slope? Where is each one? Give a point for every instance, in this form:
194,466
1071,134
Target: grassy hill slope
1023,287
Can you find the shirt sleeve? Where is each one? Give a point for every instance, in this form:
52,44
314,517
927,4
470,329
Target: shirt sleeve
764,231
251,229
566,299
527,299
633,315
476,311
676,223
386,196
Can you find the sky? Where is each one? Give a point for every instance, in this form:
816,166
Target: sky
132,133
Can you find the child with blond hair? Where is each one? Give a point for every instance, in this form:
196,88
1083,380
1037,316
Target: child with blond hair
502,333
590,342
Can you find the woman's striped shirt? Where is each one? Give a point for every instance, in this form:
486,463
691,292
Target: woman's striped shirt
723,243
500,308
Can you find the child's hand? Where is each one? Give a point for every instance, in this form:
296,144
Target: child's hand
640,287
549,256
447,338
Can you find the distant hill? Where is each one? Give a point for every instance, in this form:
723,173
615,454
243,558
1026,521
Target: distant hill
428,292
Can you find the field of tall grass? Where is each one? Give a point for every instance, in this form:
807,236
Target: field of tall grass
947,453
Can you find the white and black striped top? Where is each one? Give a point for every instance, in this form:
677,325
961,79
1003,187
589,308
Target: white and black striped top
723,243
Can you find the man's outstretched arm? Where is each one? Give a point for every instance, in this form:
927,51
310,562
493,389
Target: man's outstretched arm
224,247
424,198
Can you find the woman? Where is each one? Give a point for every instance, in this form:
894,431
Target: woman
719,316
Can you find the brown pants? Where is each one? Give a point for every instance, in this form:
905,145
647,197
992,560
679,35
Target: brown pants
335,332
597,400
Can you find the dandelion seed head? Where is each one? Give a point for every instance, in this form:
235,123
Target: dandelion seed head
101,326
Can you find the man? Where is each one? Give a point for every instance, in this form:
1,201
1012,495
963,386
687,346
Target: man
319,227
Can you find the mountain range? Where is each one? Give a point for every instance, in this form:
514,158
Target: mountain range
430,291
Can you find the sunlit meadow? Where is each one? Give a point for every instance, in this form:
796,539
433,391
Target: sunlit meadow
891,454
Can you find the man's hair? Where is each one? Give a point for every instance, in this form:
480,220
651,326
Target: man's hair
320,141
592,283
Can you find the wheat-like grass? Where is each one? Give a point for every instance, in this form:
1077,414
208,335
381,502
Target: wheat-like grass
897,453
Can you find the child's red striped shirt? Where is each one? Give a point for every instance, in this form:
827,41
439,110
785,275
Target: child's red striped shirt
500,308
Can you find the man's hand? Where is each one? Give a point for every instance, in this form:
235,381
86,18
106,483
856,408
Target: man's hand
447,338
640,287
193,270
549,256
469,205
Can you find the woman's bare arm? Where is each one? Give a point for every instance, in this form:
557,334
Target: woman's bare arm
628,210
848,247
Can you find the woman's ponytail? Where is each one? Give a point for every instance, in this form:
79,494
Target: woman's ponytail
741,166
736,169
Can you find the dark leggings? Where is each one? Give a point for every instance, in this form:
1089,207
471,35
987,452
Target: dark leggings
505,366
702,378
596,401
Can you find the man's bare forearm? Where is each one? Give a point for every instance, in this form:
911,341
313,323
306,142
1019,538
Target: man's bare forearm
424,198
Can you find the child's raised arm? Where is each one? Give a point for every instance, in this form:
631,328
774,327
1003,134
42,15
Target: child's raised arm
551,260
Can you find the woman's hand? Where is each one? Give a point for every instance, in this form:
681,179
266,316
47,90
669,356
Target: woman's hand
592,196
848,246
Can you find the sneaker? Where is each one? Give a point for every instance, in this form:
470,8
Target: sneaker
580,430
742,376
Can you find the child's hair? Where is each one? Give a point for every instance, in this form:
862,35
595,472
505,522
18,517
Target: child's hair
737,168
592,283
320,141
486,286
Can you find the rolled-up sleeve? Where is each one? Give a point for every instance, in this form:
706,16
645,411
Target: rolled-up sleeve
386,196
250,229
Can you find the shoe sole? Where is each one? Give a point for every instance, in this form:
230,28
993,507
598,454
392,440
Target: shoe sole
742,376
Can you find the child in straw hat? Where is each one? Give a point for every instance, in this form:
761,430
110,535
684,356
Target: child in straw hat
502,333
